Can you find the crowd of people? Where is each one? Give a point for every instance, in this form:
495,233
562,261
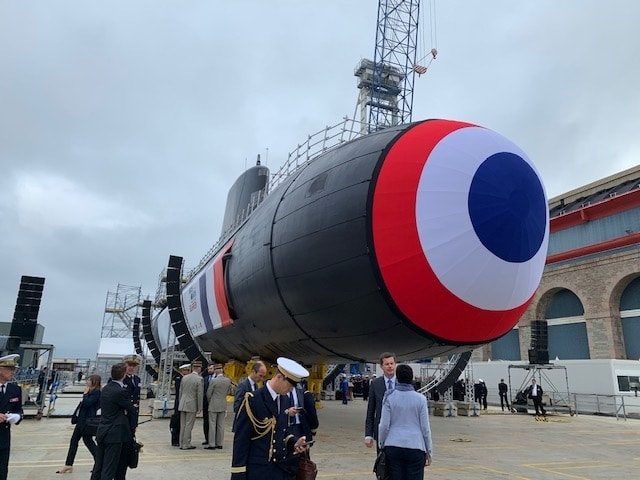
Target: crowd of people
275,420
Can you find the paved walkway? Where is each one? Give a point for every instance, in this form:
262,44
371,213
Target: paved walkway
492,446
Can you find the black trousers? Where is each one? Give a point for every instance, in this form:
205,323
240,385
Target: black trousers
75,440
174,427
537,404
111,461
405,463
4,463
205,422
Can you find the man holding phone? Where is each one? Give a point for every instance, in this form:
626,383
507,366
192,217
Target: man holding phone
263,448
303,416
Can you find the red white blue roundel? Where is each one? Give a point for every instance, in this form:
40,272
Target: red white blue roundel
460,230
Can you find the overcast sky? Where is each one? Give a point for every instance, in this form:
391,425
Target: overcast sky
124,123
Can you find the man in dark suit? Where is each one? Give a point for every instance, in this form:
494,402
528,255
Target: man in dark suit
303,416
116,429
263,448
132,382
503,389
377,389
208,375
11,408
174,422
535,394
249,384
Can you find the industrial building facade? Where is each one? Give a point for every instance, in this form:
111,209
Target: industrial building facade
589,294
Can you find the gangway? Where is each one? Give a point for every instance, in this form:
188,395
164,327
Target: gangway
34,390
443,375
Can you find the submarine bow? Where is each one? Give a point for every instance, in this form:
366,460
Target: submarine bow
424,239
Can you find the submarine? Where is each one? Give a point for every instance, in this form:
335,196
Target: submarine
424,239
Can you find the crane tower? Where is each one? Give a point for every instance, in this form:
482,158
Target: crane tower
386,82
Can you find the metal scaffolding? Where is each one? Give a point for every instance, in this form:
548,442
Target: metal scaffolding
120,310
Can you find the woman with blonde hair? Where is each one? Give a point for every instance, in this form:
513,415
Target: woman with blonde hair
88,408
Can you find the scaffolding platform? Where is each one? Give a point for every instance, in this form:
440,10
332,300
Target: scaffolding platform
554,400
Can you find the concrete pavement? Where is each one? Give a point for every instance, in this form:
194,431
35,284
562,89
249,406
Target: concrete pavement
494,445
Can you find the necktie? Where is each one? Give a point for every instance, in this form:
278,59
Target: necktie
253,387
390,385
292,403
284,402
2,389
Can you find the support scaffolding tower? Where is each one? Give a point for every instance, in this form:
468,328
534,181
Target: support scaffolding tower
558,399
120,310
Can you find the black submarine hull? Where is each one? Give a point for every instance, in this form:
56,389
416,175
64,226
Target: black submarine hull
331,265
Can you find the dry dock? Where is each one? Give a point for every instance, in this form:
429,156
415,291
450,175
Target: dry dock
491,446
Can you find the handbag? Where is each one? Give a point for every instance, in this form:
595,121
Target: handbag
381,466
134,453
307,470
91,426
74,415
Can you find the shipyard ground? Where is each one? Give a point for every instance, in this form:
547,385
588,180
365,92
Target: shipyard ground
495,445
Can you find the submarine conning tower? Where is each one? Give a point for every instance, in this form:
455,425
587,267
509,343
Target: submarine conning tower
245,194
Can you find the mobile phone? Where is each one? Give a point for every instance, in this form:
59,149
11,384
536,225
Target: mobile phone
299,409
309,443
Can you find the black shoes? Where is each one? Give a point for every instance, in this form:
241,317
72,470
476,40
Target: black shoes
213,448
188,448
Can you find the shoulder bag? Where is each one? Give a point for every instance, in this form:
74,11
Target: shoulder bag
134,453
74,415
91,425
307,470
381,466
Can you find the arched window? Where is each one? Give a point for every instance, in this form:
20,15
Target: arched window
630,315
507,347
567,328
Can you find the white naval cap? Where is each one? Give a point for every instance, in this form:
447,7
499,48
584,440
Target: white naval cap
132,359
185,366
10,361
292,370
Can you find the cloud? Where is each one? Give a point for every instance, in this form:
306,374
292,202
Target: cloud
46,202
122,128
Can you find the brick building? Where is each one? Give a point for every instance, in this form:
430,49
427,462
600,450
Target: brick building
590,290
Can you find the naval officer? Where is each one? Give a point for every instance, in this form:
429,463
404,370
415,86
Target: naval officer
132,382
10,406
263,447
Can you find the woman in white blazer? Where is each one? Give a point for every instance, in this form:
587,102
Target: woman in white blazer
404,431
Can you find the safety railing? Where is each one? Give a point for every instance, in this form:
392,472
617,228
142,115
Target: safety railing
316,144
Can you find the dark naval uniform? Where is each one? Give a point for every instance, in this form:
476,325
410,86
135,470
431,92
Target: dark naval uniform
10,402
132,385
262,446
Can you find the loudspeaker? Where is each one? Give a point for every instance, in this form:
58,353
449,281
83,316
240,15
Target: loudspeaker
539,357
147,332
176,314
175,262
25,316
173,300
539,335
